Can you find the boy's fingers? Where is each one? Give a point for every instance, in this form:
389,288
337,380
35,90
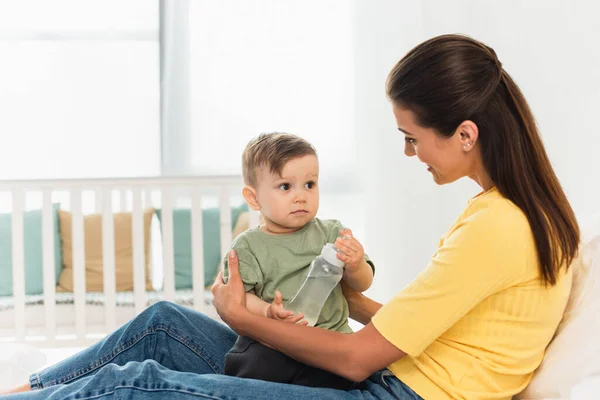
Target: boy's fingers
346,233
278,298
344,248
295,318
281,313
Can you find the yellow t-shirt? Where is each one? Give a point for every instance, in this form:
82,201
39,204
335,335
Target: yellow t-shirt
475,324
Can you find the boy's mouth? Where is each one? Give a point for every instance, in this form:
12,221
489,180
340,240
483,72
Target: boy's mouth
299,212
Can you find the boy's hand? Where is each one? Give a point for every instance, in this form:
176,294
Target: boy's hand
277,312
354,253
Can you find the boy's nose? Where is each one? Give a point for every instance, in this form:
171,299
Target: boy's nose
300,197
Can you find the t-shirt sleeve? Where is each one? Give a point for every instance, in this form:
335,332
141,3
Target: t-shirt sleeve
250,271
480,256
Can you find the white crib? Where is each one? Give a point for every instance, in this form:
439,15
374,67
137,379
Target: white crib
51,321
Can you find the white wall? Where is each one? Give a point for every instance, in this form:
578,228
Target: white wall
548,47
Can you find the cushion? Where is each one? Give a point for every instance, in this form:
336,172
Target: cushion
182,242
574,353
34,256
94,280
242,224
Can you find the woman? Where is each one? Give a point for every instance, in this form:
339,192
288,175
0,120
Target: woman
473,325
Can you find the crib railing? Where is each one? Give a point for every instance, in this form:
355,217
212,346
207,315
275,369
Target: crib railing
135,194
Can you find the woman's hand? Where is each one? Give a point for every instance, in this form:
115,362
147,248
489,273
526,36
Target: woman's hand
352,296
230,298
361,307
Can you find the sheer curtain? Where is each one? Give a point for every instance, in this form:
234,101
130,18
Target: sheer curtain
79,88
265,65
269,65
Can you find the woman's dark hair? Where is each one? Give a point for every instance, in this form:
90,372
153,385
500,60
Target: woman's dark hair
453,78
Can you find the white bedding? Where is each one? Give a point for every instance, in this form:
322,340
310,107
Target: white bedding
94,311
123,299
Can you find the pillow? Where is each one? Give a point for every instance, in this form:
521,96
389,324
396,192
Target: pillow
242,224
182,242
34,256
94,280
574,353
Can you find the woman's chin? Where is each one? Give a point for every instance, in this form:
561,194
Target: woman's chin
439,180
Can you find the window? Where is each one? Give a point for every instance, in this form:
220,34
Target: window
79,88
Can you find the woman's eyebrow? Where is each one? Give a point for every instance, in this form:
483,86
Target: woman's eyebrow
405,132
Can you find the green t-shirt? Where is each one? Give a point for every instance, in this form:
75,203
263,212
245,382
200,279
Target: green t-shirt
281,262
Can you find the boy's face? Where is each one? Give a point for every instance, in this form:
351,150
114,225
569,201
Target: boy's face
290,201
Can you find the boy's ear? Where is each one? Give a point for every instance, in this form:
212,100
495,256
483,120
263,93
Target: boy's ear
249,194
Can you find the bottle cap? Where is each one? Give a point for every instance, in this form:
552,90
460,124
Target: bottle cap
329,252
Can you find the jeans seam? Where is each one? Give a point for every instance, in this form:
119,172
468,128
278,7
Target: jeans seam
111,392
126,345
34,381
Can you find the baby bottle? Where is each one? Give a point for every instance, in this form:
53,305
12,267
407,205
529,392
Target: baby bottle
325,273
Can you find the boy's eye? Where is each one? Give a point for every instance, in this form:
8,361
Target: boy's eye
409,140
310,185
285,187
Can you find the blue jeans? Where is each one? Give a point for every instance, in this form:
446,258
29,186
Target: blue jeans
173,352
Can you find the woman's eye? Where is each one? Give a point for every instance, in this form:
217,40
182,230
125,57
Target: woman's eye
285,187
410,140
310,185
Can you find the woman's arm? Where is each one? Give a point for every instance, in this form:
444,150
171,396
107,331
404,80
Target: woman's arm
361,307
354,356
360,278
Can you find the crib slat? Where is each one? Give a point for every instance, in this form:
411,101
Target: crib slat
108,261
98,201
139,273
225,218
49,267
197,251
123,202
18,262
167,235
148,203
78,263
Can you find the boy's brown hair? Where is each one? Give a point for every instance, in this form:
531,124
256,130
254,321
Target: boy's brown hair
272,150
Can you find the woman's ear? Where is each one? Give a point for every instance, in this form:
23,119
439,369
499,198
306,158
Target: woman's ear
469,133
249,194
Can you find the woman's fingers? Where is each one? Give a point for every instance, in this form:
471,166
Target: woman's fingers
230,297
234,267
218,282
